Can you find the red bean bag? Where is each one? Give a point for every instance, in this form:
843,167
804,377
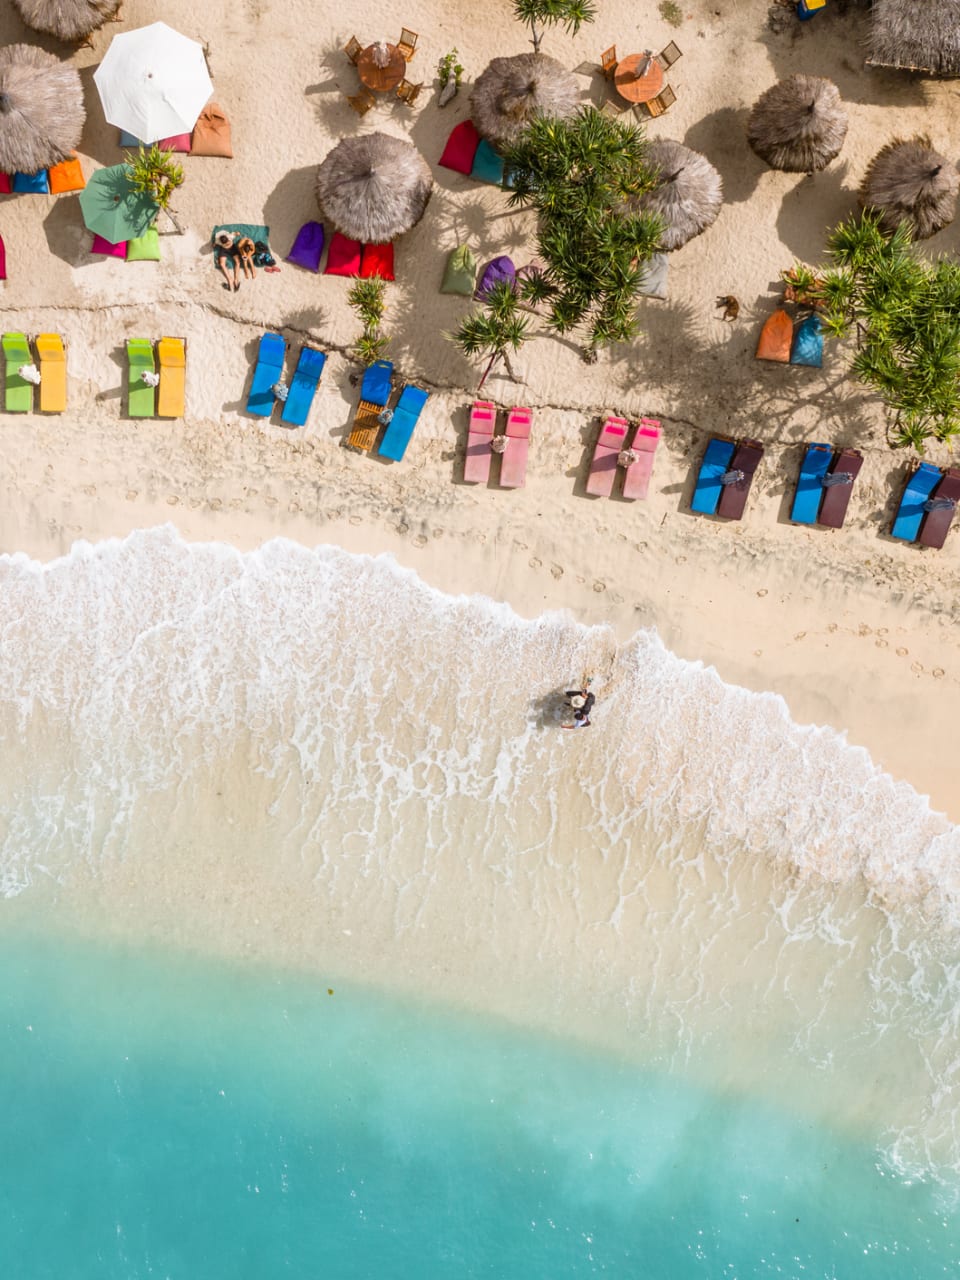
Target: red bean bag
5,187
461,148
343,256
377,261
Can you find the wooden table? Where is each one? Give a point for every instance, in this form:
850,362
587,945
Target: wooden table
632,88
381,79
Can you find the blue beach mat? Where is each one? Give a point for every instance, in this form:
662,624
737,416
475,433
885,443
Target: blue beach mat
716,460
402,424
910,513
806,504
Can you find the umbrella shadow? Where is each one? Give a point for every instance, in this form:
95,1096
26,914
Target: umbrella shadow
809,212
289,205
99,140
722,138
67,237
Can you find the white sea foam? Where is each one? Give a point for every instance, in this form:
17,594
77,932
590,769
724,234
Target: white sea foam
383,760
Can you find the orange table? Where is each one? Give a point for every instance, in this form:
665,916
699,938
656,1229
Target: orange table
636,89
381,79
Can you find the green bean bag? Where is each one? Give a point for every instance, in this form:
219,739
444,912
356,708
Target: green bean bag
460,274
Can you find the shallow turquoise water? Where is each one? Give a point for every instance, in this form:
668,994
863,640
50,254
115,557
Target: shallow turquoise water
162,1116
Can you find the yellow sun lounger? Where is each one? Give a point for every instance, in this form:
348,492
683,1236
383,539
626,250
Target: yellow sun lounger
172,355
53,373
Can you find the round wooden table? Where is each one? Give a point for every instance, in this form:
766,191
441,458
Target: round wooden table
381,79
636,89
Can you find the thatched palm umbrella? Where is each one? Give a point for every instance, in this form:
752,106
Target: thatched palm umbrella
799,124
41,109
919,36
512,91
68,20
688,195
908,181
374,188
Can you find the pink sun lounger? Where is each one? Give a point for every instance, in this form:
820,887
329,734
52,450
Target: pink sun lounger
637,478
603,465
513,460
483,422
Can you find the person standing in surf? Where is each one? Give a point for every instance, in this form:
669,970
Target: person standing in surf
581,700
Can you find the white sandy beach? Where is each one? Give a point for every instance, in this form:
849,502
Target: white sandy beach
853,629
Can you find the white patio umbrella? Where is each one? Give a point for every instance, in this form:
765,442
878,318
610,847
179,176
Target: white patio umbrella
153,82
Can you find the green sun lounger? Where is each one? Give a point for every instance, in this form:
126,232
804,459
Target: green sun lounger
141,398
17,391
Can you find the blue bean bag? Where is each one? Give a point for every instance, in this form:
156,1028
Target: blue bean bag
487,165
808,343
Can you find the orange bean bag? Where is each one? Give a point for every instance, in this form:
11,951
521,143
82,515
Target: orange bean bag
66,176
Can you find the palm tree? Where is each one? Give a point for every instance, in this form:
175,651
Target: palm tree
905,314
155,172
367,299
547,13
583,176
495,331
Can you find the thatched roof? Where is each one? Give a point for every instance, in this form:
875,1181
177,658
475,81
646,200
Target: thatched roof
374,188
41,109
66,19
920,35
798,124
512,91
688,195
908,181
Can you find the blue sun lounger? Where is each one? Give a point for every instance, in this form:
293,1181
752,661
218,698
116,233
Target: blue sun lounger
269,369
303,386
716,460
405,417
806,504
910,513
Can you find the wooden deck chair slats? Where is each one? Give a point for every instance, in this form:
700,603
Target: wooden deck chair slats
407,43
172,356
408,92
53,373
664,100
353,49
366,424
608,62
668,55
362,101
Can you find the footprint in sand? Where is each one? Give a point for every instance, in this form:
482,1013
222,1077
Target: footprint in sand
762,592
917,668
420,540
172,499
800,635
293,507
881,643
356,519
132,495
831,627
90,490
902,653
271,501
938,673
599,586
534,563
864,630
556,570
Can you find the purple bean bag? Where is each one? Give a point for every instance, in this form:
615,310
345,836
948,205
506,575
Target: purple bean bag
307,247
497,271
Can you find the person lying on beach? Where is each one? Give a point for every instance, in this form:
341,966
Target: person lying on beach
225,248
246,249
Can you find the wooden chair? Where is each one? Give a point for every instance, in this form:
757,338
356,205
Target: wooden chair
362,101
608,62
353,49
408,92
658,105
612,110
668,55
407,43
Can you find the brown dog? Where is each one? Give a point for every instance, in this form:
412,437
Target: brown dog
731,307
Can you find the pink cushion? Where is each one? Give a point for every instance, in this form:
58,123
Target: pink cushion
343,257
107,249
5,187
461,147
179,142
377,260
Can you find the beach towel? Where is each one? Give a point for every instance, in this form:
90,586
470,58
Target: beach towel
377,262
258,233
808,343
5,185
487,165
497,271
460,273
211,133
461,147
34,183
307,248
343,256
66,176
107,249
145,248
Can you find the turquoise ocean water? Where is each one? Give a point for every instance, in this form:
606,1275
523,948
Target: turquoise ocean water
162,1118
674,998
